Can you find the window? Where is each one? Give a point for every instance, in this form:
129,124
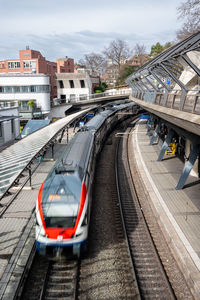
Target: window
63,97
71,83
82,82
33,89
25,89
16,89
13,64
29,64
8,89
61,85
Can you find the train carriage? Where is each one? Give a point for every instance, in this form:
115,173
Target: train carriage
65,197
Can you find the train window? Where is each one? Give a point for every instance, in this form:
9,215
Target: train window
60,222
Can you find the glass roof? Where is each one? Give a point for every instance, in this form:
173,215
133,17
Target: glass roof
16,157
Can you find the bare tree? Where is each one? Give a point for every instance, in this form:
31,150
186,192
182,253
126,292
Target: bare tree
190,11
95,62
140,51
118,51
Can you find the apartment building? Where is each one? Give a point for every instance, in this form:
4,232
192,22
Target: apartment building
138,60
75,86
30,91
32,62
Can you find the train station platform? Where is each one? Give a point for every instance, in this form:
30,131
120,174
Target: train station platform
177,211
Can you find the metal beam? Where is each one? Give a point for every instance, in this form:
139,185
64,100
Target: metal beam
155,134
160,81
182,86
166,143
191,64
188,166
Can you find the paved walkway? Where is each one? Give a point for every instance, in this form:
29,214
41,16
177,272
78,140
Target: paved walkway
177,211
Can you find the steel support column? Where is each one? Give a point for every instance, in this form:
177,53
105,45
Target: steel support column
52,150
167,89
149,124
155,134
166,143
182,86
191,64
188,166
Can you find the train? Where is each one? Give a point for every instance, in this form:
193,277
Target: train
63,207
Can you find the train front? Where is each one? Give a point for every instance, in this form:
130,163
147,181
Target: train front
61,215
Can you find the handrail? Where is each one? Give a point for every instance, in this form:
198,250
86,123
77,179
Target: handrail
94,96
191,101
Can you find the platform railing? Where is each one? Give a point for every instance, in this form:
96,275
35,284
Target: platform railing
108,93
191,101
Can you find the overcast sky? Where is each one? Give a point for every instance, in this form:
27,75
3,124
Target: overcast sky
59,28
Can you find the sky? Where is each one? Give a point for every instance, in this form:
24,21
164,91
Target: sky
73,28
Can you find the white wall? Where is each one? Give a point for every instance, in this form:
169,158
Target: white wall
42,99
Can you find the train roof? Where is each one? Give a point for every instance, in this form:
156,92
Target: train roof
75,155
97,120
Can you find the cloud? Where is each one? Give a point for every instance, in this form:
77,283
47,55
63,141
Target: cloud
76,44
74,28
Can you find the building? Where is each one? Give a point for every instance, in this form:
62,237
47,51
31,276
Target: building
75,86
9,122
111,75
65,65
32,62
30,91
138,60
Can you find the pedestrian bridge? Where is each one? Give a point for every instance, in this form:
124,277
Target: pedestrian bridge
60,110
168,87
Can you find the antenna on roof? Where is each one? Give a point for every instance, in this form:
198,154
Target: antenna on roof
27,48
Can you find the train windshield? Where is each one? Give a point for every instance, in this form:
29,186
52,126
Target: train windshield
65,189
60,222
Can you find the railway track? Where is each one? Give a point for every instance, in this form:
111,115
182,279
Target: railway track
51,279
150,275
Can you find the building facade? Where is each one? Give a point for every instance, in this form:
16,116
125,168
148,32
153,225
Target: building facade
30,91
32,62
138,60
75,86
65,65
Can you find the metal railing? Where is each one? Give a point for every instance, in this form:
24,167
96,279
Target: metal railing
189,103
108,93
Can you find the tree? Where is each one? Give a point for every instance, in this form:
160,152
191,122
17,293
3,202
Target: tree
158,48
125,71
118,51
95,62
140,51
190,12
101,88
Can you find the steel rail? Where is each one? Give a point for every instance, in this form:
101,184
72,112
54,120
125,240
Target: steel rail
148,238
138,295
